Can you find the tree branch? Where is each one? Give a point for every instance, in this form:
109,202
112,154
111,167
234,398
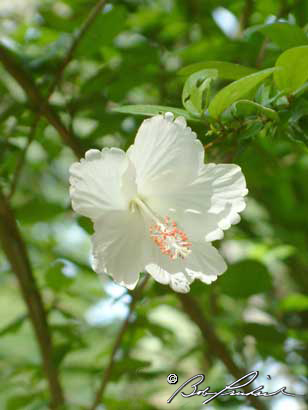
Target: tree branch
80,35
22,158
16,252
41,105
57,79
117,343
246,14
215,345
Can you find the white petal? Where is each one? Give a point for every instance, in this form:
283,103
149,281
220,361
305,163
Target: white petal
205,262
96,182
159,274
119,246
209,205
167,271
166,155
178,281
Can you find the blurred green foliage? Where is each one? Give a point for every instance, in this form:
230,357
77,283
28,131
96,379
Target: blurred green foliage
137,58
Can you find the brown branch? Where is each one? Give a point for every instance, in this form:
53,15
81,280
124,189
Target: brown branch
117,343
16,252
261,54
10,236
245,17
57,79
215,345
41,105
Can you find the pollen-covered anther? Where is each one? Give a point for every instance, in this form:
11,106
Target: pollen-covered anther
171,241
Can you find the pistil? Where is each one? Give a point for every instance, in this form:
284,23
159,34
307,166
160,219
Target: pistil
171,240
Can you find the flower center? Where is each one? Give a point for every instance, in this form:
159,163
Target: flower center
166,235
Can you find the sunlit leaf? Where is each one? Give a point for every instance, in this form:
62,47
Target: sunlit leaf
296,302
246,107
284,34
226,70
292,70
236,91
196,91
150,110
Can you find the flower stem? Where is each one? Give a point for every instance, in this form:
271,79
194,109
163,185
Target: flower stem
117,344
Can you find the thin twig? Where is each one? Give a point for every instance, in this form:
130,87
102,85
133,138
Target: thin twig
22,158
245,17
215,345
117,343
96,10
16,252
261,54
57,79
41,105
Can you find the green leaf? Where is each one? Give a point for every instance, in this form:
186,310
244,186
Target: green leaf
60,351
296,119
284,34
44,211
295,302
150,110
195,88
245,278
245,108
269,339
85,224
236,91
102,32
13,326
251,131
264,333
56,279
296,133
228,71
292,71
129,367
19,401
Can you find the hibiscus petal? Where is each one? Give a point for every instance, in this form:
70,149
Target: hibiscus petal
205,262
119,246
96,182
209,205
166,155
178,281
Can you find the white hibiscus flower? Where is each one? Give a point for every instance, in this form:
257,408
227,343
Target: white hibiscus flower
157,207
